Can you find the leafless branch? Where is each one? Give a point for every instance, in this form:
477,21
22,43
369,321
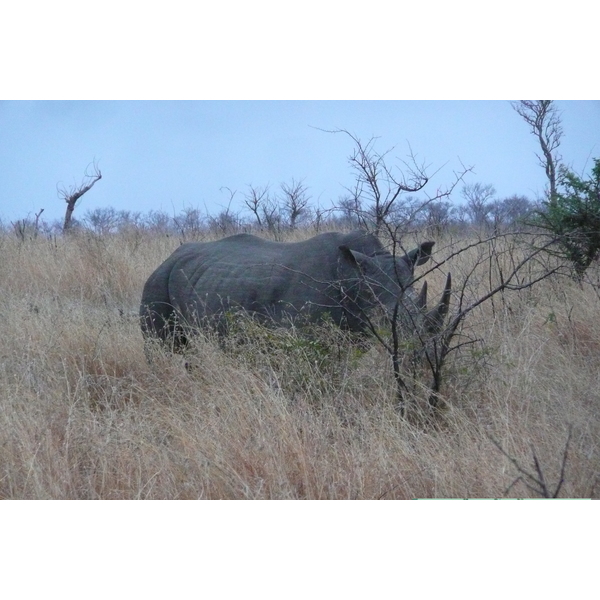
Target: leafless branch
376,182
537,483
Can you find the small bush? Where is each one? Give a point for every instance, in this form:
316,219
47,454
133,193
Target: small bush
573,216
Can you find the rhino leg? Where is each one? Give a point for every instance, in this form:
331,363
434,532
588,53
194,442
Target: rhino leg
160,323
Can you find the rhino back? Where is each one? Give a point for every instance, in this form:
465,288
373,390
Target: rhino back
269,278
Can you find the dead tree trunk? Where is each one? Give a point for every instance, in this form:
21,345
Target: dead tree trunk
73,194
544,122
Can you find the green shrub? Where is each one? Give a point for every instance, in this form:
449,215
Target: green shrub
573,216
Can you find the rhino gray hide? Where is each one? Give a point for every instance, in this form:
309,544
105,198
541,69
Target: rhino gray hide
344,276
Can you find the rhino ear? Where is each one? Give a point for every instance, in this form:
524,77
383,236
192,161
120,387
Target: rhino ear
357,259
420,255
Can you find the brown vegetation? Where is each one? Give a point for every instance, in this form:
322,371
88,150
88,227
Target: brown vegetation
276,414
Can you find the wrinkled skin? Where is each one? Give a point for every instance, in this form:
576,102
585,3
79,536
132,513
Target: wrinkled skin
341,276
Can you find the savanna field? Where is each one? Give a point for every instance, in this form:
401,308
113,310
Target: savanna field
275,414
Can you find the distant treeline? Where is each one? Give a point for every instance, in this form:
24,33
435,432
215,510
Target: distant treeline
290,209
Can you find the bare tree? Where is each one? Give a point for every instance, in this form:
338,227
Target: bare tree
268,210
275,212
294,201
73,193
479,202
256,198
544,122
381,194
436,217
378,184
189,223
102,220
226,222
511,211
158,221
509,264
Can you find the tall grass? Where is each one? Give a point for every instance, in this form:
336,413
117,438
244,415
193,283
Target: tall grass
276,414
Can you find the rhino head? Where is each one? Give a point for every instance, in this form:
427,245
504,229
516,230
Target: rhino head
389,280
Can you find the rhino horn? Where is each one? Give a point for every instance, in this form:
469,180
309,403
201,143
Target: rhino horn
435,317
422,299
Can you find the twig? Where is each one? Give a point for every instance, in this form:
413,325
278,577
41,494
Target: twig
539,483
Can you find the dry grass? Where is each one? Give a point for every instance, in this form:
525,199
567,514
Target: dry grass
84,415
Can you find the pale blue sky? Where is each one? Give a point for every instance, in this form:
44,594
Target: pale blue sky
170,155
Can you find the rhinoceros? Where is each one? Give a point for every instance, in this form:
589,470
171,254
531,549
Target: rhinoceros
342,275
